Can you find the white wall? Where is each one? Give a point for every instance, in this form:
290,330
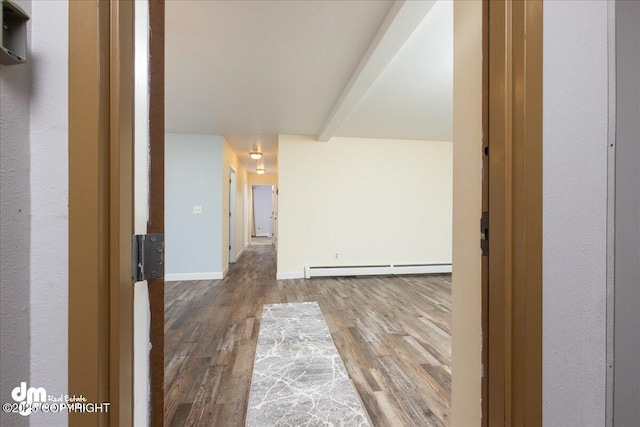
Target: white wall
370,201
49,202
466,345
193,171
574,212
15,226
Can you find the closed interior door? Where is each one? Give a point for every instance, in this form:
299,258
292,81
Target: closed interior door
263,210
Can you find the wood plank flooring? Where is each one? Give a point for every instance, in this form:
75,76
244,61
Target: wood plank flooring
393,334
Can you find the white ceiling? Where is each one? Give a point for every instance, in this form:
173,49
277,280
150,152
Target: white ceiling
413,97
250,70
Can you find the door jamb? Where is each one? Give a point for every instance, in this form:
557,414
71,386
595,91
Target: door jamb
514,200
101,209
156,205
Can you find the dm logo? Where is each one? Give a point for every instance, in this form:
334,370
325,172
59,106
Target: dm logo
28,396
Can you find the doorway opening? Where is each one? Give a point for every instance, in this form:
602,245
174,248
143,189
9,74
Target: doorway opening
232,215
364,198
262,214
469,396
373,209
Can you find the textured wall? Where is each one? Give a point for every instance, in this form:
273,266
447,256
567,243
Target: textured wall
575,120
49,202
14,230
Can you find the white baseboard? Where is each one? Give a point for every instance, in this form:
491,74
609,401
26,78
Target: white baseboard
177,277
240,253
290,275
421,269
226,270
382,270
376,270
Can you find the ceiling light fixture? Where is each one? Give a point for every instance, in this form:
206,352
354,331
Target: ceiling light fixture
260,171
255,155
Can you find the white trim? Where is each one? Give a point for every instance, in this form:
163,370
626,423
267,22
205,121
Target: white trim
193,276
376,270
226,270
421,269
380,270
290,275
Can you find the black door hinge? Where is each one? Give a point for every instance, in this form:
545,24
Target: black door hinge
147,257
484,233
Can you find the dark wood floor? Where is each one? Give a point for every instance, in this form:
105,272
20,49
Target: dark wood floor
393,334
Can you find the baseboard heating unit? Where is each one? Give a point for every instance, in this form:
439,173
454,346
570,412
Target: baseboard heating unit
376,270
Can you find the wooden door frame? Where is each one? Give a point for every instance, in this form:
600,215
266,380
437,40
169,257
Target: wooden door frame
156,205
512,273
101,129
101,210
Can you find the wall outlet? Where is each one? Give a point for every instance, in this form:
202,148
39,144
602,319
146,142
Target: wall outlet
197,209
335,255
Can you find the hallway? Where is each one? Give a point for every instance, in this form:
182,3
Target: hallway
393,334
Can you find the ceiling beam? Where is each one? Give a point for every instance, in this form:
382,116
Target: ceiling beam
401,22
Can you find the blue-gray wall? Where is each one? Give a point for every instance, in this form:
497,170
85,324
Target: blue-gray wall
193,173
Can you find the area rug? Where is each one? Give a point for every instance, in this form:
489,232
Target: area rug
298,376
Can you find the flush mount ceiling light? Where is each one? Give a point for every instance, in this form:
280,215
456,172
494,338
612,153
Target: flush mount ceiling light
260,171
255,155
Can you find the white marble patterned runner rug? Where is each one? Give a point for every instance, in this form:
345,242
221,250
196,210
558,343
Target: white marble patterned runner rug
298,376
